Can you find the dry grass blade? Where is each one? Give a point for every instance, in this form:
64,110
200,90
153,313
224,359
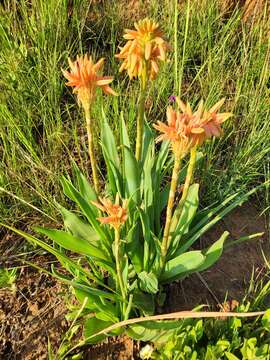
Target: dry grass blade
171,316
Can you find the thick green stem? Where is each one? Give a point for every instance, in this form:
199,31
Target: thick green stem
118,267
188,181
140,119
174,182
91,149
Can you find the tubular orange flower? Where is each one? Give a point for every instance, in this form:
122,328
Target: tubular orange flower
117,215
84,79
186,129
144,49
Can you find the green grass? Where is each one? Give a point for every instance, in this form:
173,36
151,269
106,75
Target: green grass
221,338
41,131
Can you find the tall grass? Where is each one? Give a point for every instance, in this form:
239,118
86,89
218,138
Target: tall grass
217,55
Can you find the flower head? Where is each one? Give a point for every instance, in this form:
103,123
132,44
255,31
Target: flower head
117,215
144,49
186,128
84,78
212,120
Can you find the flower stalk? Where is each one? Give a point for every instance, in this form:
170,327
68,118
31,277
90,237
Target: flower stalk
169,211
117,244
188,181
140,120
116,217
85,77
91,152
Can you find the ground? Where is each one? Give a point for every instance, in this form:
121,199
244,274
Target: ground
36,309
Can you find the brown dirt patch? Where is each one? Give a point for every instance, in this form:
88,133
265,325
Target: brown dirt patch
230,276
29,315
121,348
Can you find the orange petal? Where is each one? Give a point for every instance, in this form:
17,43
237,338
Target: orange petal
181,105
99,64
197,130
98,205
154,66
162,53
188,109
130,34
217,106
147,51
122,67
107,220
171,115
108,90
223,117
105,80
199,112
133,61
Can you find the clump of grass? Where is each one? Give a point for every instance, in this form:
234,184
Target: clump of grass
218,55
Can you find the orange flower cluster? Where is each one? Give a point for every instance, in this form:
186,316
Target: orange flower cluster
117,215
84,79
144,49
186,129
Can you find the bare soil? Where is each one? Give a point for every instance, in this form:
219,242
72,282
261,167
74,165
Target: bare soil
230,277
36,310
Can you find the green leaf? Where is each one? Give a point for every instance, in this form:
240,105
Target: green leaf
181,178
87,209
154,331
144,302
148,140
86,190
78,227
147,248
134,247
124,134
162,156
203,216
93,326
65,260
214,252
108,141
158,177
72,243
148,282
230,356
111,157
115,179
90,304
189,210
266,320
8,278
147,185
132,176
105,310
182,265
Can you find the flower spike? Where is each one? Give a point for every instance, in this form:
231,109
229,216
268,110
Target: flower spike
117,215
186,129
84,78
145,48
